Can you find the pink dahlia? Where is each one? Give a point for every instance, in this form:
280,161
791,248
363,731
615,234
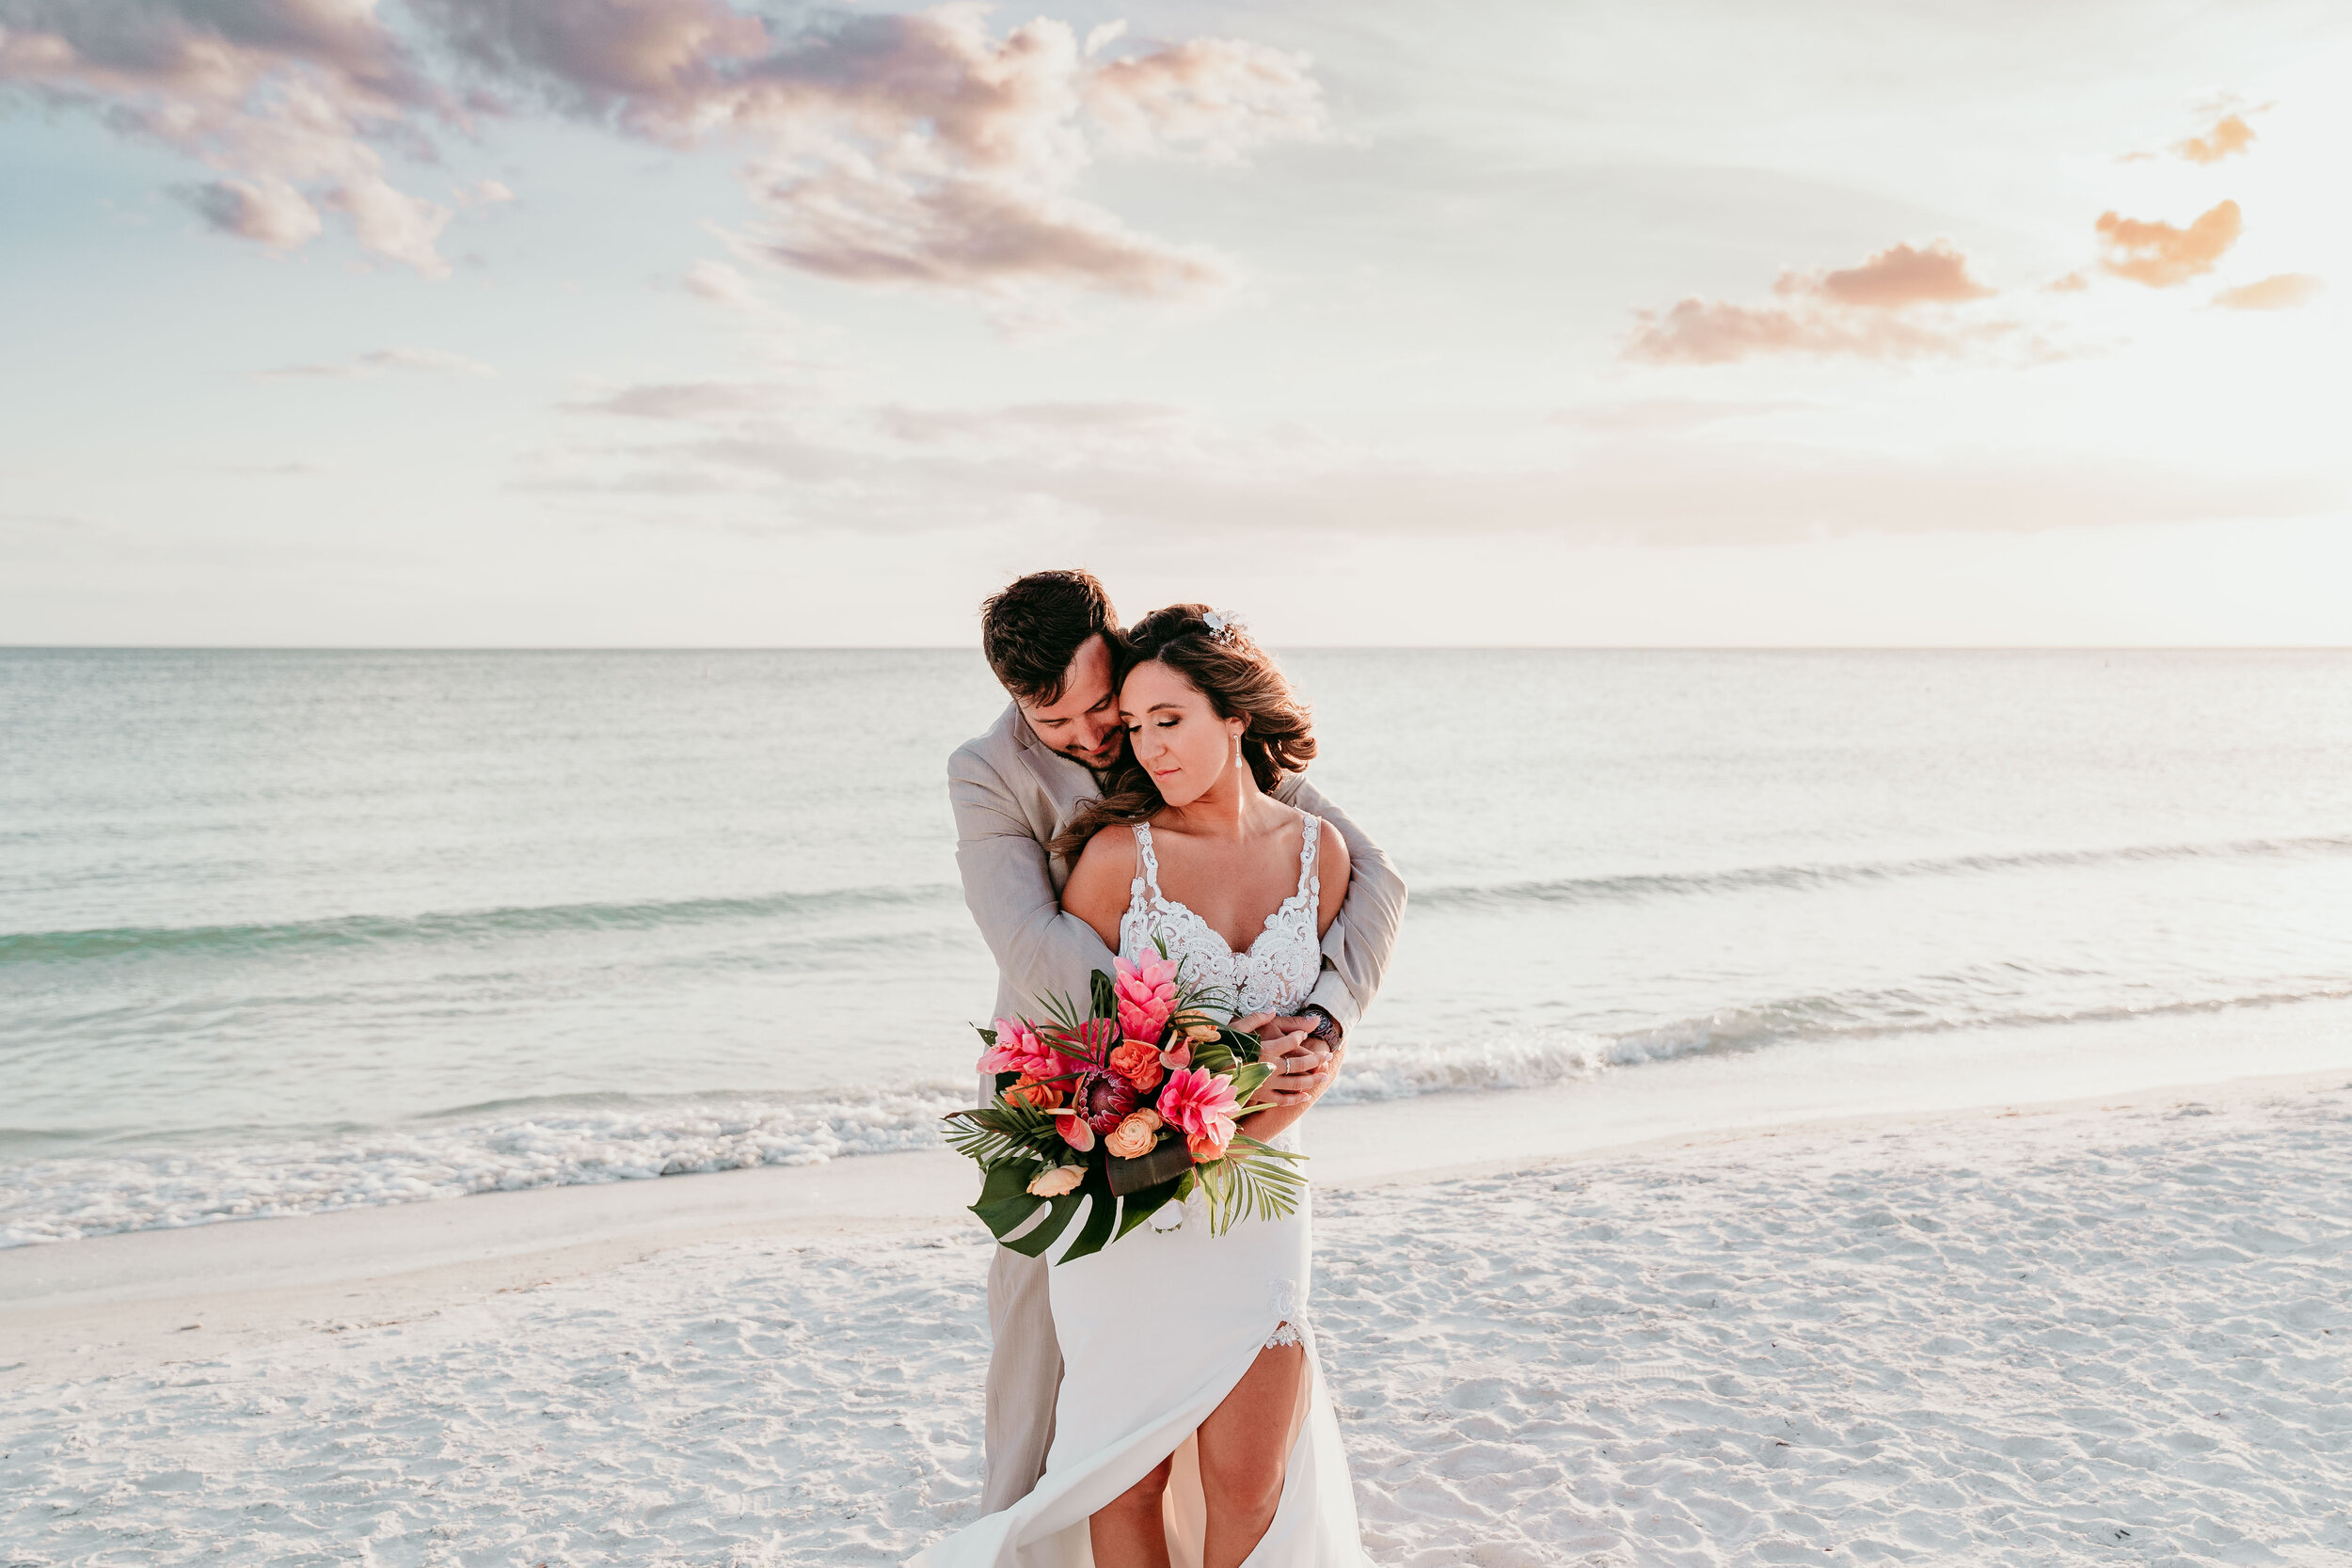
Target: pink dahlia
1147,995
1200,1104
1102,1098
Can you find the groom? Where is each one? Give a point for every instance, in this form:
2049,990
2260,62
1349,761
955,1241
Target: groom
1053,640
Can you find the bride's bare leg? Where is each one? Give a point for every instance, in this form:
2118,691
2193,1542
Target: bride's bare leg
1127,1533
1245,1445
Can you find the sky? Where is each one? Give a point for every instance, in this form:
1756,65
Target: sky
663,322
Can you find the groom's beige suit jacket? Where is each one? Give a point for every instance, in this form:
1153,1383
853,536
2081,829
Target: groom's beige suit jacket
1013,794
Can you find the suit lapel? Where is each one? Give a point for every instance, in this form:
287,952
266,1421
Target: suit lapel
1064,783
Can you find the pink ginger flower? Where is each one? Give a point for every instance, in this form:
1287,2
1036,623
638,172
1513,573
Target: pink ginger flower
1200,1104
1018,1048
1147,995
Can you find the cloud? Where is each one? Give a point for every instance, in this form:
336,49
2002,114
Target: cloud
483,193
1698,331
688,400
2163,256
861,224
1127,469
2283,292
1213,98
2230,134
917,149
914,150
1645,416
1897,276
380,360
721,284
1054,423
266,209
1892,306
280,96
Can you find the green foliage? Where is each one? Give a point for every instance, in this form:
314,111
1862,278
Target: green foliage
987,1037
1066,1032
1253,1178
1035,1240
1141,1206
1000,1131
1214,1055
1097,1232
1246,1083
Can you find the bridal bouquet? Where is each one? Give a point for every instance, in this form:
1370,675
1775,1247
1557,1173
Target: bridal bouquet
1140,1099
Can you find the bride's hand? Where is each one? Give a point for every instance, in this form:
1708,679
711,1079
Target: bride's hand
1298,1060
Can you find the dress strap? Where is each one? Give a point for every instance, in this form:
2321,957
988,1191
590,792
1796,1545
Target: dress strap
1310,883
1150,861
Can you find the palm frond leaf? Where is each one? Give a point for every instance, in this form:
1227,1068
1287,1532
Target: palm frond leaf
1000,1131
1253,1179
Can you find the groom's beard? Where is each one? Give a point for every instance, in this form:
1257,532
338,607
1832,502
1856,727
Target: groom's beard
1086,759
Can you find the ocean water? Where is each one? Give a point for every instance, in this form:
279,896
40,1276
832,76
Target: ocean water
290,931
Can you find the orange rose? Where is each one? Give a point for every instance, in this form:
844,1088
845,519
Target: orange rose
1139,1064
1133,1136
1204,1150
1054,1180
1150,1117
1036,1095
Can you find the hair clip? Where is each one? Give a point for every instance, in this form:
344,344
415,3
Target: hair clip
1222,627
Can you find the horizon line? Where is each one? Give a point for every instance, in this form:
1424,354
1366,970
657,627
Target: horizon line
1295,647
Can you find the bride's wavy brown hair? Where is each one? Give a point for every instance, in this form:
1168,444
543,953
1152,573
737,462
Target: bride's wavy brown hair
1240,680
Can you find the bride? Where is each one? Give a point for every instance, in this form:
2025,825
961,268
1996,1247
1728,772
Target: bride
1193,1427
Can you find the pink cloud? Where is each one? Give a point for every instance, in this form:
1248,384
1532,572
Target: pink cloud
2283,292
1213,97
1899,276
1892,306
865,225
265,208
373,364
1699,331
280,96
899,149
2229,135
916,148
690,400
2163,256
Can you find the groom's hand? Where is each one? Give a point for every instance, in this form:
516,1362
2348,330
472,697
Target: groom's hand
1303,1067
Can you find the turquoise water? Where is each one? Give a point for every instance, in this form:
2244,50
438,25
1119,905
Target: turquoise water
281,932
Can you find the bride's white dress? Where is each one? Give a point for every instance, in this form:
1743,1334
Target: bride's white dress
1158,1326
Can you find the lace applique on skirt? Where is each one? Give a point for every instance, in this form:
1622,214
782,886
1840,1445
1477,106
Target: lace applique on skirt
1282,1300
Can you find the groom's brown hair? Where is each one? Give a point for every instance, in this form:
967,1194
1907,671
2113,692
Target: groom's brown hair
1032,627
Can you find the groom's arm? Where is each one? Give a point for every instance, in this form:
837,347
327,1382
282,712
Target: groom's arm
1357,948
1038,948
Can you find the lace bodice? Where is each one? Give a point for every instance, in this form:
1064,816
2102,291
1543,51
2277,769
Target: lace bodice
1274,974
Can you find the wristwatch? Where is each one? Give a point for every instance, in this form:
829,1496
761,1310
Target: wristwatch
1328,1030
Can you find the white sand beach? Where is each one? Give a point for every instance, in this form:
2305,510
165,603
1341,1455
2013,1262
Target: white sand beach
2114,1330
